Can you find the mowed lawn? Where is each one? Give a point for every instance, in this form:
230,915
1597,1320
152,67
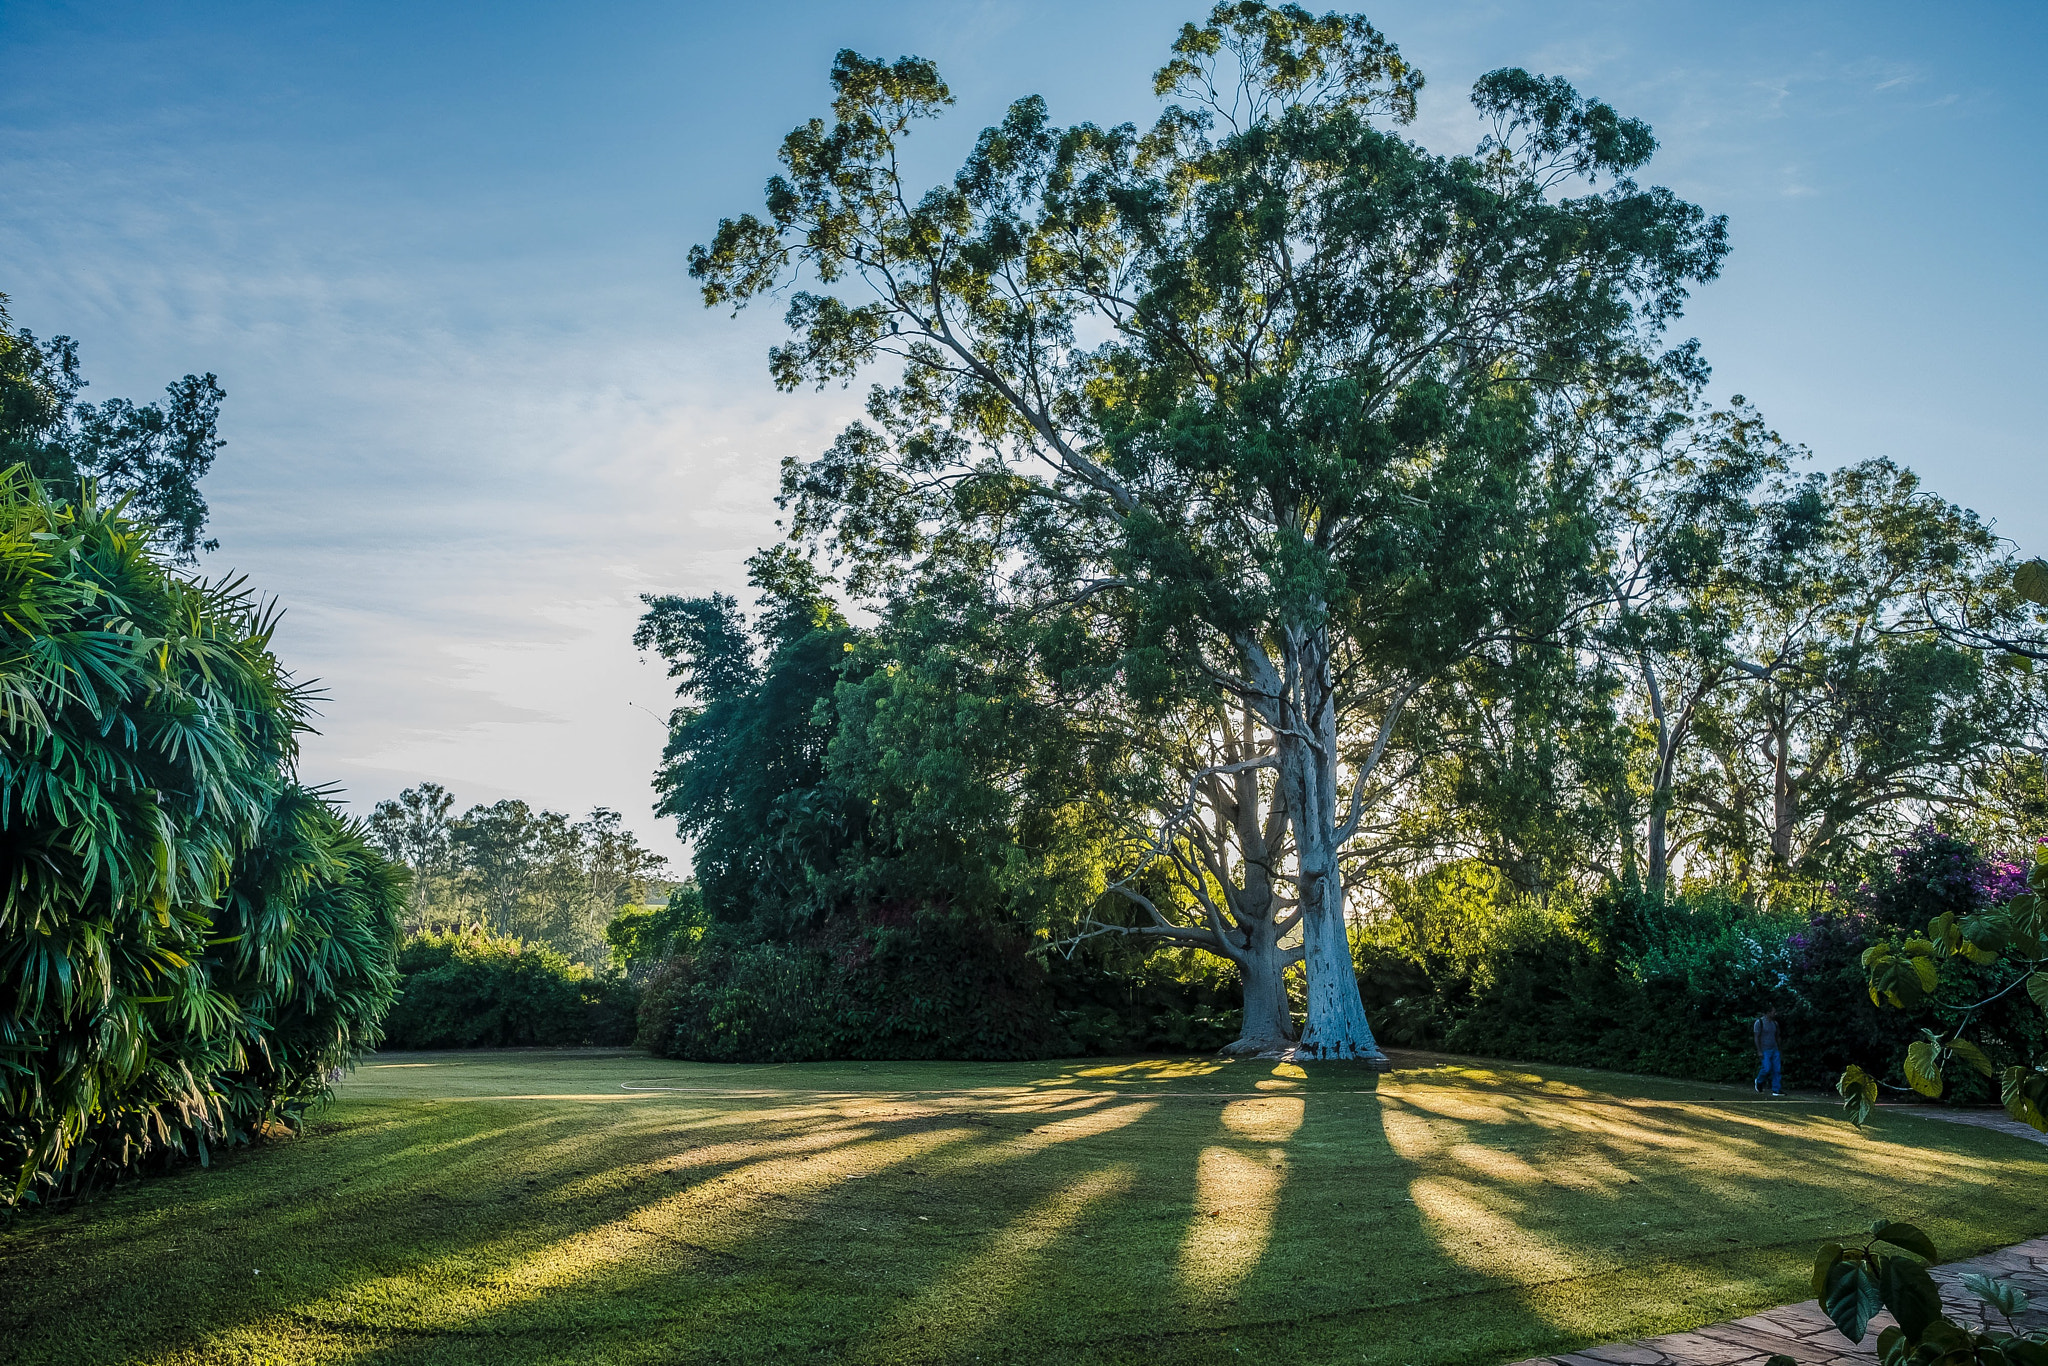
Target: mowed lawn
548,1207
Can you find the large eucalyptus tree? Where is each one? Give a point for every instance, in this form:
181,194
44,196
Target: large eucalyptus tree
1313,399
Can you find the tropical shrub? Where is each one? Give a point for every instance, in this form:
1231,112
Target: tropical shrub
1854,1282
189,941
475,989
1995,956
1669,986
1991,930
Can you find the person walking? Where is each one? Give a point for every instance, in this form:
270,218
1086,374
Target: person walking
1770,1060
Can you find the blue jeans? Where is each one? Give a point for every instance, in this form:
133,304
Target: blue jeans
1770,1068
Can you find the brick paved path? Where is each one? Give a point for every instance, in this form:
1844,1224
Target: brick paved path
1802,1332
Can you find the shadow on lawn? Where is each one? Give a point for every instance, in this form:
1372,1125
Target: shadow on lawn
1423,1218
1077,1228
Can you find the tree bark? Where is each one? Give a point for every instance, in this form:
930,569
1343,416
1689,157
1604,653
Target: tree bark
1261,963
1660,790
1784,799
1337,1028
1268,1014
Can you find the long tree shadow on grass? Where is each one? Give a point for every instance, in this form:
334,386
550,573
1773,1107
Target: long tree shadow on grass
1320,1219
496,1214
896,1264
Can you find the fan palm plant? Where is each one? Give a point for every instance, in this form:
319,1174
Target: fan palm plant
172,898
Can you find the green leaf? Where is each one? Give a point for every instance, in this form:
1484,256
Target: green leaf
1829,1254
1988,931
1859,1094
1910,1293
1907,1237
1973,1055
2037,987
1923,1068
1851,1298
2024,1093
2024,1352
1943,1337
2007,1298
2030,581
1892,1347
1928,973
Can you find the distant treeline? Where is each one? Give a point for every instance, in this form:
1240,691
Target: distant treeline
516,871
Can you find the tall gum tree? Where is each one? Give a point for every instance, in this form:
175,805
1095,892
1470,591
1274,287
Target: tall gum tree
1703,521
1307,394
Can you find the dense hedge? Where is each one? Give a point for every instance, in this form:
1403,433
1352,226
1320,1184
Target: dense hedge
921,985
903,986
472,989
189,941
1622,982
1671,988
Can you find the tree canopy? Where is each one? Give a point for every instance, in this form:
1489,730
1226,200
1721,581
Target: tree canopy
148,457
1296,388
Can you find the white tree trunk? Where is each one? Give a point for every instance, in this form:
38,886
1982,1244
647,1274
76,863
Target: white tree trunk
1268,1014
1337,1028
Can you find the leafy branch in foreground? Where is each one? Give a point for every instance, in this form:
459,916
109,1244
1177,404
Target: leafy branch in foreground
2013,936
1855,1283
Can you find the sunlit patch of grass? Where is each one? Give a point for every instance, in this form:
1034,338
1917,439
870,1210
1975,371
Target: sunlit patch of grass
528,1207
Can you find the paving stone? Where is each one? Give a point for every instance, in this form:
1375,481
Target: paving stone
1625,1354
1981,1119
1768,1341
1690,1349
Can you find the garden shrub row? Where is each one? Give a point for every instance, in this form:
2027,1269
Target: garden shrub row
473,989
1670,988
927,984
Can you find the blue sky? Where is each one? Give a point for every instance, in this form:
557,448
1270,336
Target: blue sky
435,254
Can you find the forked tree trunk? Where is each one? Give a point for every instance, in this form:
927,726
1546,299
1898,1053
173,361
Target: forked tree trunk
1268,1014
1260,828
1337,1028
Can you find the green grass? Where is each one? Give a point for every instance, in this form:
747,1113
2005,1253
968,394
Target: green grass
525,1207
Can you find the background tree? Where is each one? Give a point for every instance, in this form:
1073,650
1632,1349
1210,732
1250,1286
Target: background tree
152,455
415,830
743,773
514,870
1846,712
1695,530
